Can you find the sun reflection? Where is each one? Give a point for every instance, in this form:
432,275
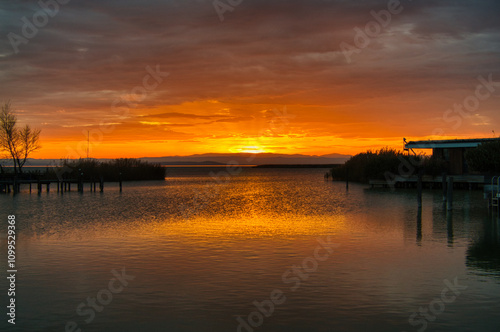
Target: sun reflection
254,226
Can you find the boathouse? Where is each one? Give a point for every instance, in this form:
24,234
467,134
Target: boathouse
451,151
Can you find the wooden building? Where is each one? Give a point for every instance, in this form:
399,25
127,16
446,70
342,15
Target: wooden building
451,151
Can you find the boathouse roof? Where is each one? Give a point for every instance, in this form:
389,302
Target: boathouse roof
448,143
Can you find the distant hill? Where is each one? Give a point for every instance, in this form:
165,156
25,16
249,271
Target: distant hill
250,159
221,159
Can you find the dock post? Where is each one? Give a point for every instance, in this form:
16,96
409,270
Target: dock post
48,186
444,186
449,202
449,229
419,188
101,184
30,186
39,185
57,183
419,226
120,178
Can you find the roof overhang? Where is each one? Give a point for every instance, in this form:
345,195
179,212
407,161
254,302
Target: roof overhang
458,143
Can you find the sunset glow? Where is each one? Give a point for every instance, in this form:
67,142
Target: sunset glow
250,166
172,79
251,149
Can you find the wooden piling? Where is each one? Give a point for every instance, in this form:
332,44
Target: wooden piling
449,201
120,179
346,178
419,188
419,226
39,185
444,186
449,228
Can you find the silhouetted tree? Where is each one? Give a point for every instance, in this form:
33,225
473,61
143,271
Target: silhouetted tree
19,143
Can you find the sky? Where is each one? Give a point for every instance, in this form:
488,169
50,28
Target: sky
315,77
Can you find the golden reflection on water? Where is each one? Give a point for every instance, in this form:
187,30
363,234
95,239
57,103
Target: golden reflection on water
233,249
256,226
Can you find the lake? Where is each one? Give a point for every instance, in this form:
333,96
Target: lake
256,250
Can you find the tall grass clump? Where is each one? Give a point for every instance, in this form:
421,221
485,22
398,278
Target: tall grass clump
374,165
126,169
485,158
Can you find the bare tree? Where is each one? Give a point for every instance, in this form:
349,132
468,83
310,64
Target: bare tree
8,136
18,143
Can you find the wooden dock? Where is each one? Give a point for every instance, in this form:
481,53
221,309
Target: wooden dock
459,181
64,185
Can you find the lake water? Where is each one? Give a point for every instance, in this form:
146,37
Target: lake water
202,255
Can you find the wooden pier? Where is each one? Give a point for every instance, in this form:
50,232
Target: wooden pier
62,186
432,182
490,186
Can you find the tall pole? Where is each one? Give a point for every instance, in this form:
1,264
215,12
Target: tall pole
443,182
449,201
419,187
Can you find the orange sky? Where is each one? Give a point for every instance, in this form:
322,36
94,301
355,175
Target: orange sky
271,77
